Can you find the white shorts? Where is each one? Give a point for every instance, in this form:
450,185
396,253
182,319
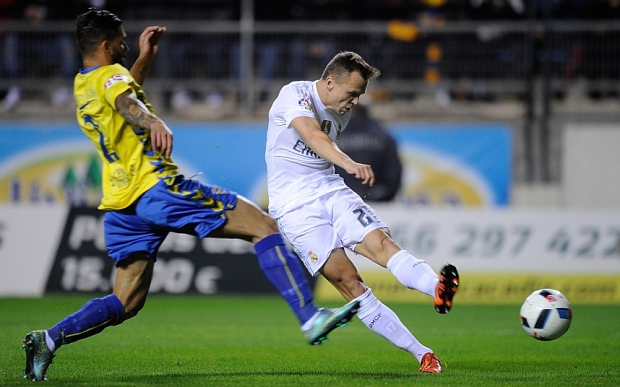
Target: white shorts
335,220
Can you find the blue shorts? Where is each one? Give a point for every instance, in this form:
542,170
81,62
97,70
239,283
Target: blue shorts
186,206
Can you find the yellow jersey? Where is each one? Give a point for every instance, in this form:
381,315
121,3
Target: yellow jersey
130,165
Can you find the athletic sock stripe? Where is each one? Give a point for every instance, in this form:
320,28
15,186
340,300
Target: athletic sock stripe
100,326
290,276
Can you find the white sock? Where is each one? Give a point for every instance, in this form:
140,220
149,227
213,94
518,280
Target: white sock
413,273
50,342
308,324
384,322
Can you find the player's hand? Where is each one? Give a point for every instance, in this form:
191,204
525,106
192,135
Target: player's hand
149,41
361,171
161,138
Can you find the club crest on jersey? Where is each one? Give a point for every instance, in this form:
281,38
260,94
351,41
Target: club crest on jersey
313,257
304,103
115,79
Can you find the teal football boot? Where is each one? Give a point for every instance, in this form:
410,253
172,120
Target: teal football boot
328,320
38,356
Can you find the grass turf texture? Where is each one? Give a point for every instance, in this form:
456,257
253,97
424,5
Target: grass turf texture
255,341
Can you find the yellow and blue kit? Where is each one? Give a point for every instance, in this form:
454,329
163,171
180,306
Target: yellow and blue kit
143,193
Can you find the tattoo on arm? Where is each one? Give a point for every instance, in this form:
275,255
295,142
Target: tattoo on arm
133,111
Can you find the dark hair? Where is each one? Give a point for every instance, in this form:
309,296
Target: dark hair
346,62
94,26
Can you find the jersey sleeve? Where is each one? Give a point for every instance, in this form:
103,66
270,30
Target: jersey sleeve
296,102
116,81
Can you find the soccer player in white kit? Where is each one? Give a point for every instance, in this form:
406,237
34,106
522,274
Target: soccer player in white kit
320,215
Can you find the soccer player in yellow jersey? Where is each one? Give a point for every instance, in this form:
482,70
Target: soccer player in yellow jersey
145,197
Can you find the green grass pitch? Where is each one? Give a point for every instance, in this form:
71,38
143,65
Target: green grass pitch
255,341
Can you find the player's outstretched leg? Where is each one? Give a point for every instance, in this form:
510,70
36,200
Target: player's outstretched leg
282,268
38,356
446,288
430,363
326,320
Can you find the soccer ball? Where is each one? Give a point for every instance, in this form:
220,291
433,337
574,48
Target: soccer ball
546,314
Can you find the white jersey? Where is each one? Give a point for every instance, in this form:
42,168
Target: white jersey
295,174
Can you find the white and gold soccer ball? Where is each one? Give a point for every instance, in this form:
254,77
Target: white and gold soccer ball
546,314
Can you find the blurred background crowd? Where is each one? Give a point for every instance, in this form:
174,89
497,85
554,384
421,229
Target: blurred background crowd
532,63
482,45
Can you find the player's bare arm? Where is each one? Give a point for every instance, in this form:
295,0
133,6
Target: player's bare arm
136,114
149,45
322,145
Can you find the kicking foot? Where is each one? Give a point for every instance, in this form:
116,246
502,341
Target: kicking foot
446,288
430,363
328,320
38,356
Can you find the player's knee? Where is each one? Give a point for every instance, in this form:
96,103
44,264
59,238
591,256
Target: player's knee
270,223
386,243
267,226
379,247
